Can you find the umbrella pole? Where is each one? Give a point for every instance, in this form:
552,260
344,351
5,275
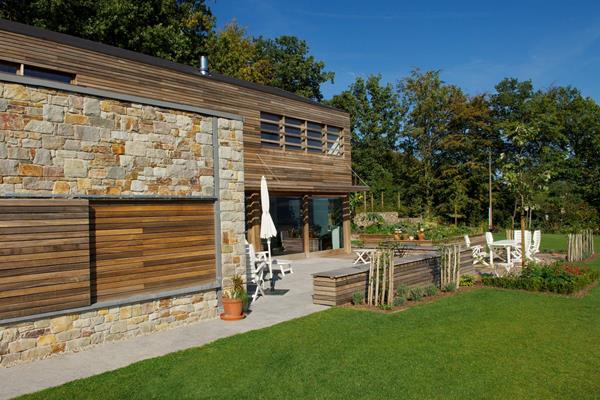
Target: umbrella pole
270,258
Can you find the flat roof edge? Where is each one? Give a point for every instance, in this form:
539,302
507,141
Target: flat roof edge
69,40
109,94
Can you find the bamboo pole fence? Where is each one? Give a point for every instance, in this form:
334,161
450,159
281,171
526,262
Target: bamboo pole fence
580,245
450,264
381,278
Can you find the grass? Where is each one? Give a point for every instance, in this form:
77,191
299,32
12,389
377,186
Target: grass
487,343
552,242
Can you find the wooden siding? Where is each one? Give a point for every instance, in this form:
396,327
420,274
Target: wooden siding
337,287
141,247
44,256
286,170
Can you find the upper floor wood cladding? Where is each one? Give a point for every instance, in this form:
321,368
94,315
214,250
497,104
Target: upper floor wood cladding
105,67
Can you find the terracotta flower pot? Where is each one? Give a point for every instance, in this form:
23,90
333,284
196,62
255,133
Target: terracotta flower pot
232,310
421,235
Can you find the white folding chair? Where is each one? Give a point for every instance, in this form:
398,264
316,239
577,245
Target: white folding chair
257,271
479,255
517,251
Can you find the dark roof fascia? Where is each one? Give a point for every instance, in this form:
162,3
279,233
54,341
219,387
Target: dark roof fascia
28,30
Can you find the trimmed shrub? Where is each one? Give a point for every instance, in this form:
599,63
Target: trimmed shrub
416,294
450,287
402,291
431,290
358,298
467,280
399,300
557,278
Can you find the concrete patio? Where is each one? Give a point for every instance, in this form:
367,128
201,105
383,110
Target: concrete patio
267,311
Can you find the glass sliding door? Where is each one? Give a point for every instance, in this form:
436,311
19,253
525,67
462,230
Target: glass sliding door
326,221
287,217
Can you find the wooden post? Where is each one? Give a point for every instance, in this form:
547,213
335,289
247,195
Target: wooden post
347,225
398,202
372,202
365,201
306,224
382,206
253,218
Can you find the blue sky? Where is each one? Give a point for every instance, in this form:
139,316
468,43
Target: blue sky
474,43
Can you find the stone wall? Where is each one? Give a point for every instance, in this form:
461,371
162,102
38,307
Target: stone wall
36,339
63,143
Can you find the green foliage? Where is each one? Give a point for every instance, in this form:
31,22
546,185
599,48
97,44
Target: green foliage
416,294
358,298
385,307
175,30
402,291
558,278
467,280
431,290
399,300
450,287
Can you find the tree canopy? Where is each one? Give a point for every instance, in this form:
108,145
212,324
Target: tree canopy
175,30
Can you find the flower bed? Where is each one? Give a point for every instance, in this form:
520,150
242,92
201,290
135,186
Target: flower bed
557,278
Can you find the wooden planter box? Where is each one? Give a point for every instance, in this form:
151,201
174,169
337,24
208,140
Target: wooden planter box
336,287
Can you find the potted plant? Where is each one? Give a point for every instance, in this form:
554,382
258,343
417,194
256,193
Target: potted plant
421,234
234,300
398,234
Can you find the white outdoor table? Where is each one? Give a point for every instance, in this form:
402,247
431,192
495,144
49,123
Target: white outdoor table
507,245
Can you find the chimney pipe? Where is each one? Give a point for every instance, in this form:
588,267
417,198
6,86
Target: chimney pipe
204,64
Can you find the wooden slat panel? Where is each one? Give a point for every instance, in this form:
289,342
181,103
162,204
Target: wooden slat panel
143,247
44,256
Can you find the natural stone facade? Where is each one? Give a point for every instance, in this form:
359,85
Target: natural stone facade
41,338
64,143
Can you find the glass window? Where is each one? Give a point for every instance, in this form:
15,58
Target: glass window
269,129
42,73
287,217
326,221
8,67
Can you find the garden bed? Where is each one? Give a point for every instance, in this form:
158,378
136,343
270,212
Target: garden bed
411,303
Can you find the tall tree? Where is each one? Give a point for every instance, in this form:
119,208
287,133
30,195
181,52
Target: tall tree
175,30
283,62
376,121
233,52
294,68
429,104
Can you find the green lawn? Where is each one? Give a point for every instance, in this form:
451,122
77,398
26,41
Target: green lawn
487,343
553,242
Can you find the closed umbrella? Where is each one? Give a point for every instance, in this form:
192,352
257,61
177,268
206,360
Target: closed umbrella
267,227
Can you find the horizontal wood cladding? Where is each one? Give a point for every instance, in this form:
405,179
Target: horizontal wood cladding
144,247
285,169
44,256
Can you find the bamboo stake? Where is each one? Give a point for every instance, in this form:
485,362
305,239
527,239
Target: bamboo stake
377,259
392,275
383,278
370,292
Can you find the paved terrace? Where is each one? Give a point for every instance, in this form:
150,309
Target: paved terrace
267,311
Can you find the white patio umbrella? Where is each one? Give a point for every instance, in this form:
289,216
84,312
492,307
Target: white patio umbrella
267,227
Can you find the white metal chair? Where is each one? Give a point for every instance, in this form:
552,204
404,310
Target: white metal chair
479,255
257,271
535,245
517,253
